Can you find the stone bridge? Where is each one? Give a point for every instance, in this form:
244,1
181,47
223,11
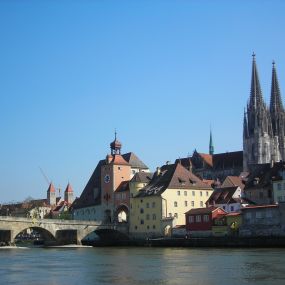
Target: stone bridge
54,231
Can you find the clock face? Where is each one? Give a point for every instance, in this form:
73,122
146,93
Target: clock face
107,178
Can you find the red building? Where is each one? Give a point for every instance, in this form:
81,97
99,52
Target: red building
199,221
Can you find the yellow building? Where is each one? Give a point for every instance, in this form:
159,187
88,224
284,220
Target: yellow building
161,204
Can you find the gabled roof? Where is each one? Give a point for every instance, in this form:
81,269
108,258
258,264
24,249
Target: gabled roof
207,210
87,198
134,161
142,177
232,181
172,176
223,196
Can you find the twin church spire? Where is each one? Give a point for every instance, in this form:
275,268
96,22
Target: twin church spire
263,127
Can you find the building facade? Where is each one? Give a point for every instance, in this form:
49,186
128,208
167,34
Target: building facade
161,204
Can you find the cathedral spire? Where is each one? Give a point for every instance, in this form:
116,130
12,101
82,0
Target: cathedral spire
245,125
275,99
211,145
256,99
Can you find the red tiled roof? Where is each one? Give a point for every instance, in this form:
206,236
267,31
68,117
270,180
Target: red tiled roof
118,160
207,210
51,188
208,158
68,188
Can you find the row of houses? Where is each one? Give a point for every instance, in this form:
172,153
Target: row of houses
177,200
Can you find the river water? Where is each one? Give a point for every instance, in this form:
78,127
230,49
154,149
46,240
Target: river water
142,265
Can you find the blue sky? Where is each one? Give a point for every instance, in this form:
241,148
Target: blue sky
161,72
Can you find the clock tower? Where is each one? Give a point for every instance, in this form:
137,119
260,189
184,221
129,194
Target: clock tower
114,171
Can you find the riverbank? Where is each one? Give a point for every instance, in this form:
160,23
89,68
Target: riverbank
232,242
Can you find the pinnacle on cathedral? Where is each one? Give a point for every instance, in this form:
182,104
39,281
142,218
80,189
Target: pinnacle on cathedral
263,127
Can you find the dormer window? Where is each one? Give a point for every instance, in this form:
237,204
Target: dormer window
182,182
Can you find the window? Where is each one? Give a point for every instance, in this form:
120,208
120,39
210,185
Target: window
192,204
142,211
279,198
119,168
147,205
198,218
147,227
201,193
185,193
186,203
141,200
154,217
193,193
260,194
142,222
153,204
153,226
207,193
176,215
279,186
201,204
133,171
170,215
191,219
206,218
232,208
178,193
175,204
224,207
136,227
147,216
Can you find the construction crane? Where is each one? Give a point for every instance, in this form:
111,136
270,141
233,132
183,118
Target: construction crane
49,181
45,177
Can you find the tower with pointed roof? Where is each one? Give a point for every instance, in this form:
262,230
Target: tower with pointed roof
51,195
211,145
263,127
68,194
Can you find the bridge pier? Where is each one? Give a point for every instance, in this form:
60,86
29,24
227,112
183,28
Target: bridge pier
6,237
64,237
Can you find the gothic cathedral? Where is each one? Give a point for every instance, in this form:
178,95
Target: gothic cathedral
263,127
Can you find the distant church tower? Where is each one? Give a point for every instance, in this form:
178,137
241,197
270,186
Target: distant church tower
51,195
211,145
263,127
68,194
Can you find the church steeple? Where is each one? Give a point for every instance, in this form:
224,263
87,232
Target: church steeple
115,145
211,145
256,99
245,125
275,99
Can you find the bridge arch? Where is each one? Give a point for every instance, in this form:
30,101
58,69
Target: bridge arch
46,235
122,214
